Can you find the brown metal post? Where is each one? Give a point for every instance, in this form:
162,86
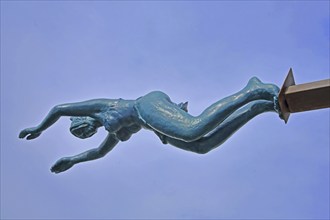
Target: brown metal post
303,97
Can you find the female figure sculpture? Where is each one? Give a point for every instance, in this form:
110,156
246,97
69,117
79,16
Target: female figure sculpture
155,111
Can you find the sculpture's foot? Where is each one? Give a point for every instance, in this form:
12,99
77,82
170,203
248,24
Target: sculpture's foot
277,107
262,90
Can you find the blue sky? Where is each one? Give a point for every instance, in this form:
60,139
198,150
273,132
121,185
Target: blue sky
55,52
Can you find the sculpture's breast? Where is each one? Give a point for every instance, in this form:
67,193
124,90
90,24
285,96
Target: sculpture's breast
111,120
119,115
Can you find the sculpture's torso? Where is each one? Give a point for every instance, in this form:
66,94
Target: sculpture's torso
126,117
118,117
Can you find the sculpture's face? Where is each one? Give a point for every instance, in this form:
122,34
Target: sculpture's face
83,127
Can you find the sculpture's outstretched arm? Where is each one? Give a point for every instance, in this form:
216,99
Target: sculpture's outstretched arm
86,108
225,129
66,163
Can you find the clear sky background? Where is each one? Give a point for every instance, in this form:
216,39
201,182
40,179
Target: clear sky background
54,52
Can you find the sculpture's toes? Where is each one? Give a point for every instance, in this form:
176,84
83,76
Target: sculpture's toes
277,107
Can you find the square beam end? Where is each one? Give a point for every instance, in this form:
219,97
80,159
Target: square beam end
289,81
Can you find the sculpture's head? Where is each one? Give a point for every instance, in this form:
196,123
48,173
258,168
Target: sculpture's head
83,127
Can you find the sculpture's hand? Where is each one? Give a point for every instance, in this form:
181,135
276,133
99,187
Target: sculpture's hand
62,164
31,133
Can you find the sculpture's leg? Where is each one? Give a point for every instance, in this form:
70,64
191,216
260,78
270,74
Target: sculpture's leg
225,129
169,120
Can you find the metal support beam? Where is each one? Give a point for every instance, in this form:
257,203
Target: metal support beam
303,97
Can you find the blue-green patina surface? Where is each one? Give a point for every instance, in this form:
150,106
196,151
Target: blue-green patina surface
155,111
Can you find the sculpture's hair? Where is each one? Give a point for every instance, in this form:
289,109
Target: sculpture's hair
83,127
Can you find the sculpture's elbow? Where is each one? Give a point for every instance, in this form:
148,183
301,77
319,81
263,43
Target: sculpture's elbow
102,152
56,110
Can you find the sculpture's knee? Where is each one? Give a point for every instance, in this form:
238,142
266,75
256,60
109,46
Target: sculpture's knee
202,150
190,135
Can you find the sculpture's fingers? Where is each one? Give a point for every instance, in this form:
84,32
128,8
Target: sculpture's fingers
32,136
54,168
22,134
60,166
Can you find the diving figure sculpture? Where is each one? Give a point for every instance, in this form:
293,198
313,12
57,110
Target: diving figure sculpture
156,112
